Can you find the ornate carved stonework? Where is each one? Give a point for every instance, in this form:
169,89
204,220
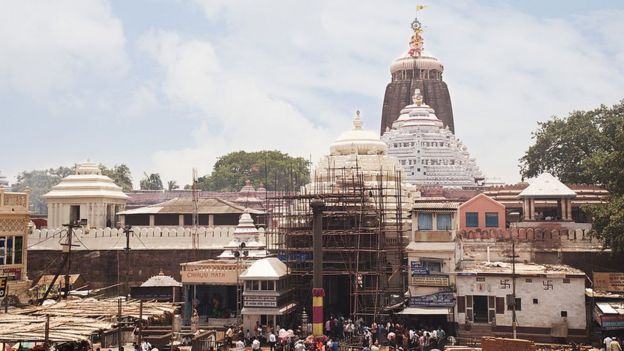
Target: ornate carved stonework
14,225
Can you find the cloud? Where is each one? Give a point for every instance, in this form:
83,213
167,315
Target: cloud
47,47
235,113
505,69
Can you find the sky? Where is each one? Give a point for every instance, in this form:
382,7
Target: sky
165,86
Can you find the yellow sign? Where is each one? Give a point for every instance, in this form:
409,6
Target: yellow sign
201,276
605,281
430,280
3,286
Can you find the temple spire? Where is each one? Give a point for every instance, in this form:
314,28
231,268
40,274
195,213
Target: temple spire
416,41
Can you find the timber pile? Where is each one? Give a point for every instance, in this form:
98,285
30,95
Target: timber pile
74,320
100,309
15,327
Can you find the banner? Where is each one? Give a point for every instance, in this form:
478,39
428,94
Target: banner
605,281
441,299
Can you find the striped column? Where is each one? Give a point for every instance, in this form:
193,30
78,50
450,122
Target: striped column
317,311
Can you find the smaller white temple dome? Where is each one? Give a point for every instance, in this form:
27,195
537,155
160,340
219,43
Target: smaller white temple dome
358,141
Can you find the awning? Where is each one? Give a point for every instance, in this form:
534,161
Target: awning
269,311
425,311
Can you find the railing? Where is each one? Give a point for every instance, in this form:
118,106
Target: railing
528,234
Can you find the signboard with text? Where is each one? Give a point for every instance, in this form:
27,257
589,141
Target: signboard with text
226,276
260,301
441,299
418,268
606,281
430,280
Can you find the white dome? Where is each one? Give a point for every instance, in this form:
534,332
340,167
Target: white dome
161,280
417,114
88,182
358,141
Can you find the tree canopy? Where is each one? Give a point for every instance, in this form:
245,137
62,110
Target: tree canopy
277,170
151,182
40,181
586,147
120,174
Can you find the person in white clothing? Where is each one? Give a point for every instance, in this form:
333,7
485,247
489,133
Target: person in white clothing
255,344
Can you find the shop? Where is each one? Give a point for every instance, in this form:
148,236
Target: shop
268,298
209,287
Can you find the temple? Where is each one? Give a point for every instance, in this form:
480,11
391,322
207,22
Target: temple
416,69
428,151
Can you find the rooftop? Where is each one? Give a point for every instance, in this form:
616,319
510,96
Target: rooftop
267,268
545,186
185,205
530,269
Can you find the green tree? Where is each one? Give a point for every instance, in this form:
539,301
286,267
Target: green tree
277,170
120,174
586,147
151,182
172,185
40,182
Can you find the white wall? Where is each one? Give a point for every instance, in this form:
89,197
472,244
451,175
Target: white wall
568,297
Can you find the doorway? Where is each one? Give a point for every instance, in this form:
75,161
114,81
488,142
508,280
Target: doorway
480,309
74,213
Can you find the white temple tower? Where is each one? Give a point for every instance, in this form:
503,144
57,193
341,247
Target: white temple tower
85,195
428,151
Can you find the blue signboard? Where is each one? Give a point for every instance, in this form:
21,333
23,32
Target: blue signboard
441,299
418,268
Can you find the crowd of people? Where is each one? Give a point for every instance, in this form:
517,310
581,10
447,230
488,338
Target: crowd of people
340,333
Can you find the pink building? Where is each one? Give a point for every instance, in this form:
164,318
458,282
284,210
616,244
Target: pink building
481,212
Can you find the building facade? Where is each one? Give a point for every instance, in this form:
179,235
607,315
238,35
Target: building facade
14,228
484,296
85,195
481,213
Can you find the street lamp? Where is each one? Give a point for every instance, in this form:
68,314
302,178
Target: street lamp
237,253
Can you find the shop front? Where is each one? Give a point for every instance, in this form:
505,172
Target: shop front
210,288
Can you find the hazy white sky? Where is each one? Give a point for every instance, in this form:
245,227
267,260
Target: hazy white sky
168,85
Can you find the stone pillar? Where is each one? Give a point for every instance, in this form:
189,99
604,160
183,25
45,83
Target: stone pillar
151,220
211,220
181,220
564,208
569,207
525,209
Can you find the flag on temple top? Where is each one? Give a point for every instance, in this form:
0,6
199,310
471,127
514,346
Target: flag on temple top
420,7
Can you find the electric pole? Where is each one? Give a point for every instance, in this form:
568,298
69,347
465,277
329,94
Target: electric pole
127,230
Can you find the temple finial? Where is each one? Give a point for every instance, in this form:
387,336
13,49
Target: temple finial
416,41
357,121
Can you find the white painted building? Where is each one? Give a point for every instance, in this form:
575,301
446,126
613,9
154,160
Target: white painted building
85,195
550,300
429,152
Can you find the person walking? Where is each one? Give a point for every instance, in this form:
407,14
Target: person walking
255,344
615,345
272,341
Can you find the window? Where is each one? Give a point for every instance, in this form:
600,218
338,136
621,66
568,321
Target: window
443,221
472,219
518,305
461,304
480,279
566,280
432,266
425,221
564,313
529,280
491,219
535,301
500,305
